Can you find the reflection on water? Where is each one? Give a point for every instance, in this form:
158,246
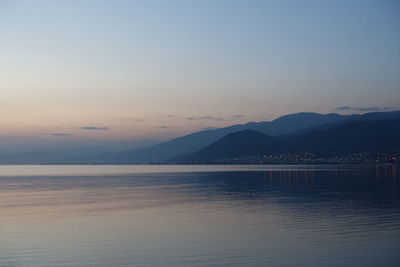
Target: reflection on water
318,216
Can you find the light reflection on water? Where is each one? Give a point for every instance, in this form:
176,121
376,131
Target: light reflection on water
318,216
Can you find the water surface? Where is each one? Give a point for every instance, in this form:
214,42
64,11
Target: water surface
199,216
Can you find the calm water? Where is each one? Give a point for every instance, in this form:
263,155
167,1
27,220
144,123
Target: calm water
199,216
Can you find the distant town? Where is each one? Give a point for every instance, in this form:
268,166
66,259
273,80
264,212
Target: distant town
307,158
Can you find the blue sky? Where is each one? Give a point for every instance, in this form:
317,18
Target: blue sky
160,69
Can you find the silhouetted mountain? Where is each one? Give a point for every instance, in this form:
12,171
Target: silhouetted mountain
351,137
238,144
355,117
299,123
195,141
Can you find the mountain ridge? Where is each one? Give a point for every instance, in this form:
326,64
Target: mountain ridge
351,137
291,124
194,141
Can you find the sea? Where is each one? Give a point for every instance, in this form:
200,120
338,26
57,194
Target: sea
199,215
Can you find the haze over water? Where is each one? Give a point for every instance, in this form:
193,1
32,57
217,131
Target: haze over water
199,215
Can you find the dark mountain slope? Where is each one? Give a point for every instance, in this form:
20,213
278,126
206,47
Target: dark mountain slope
237,145
357,136
192,142
355,117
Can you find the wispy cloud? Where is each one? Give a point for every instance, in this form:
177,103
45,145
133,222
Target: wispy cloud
127,119
60,134
239,116
94,128
349,108
161,127
211,118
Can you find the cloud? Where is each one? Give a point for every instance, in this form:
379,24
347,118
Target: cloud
94,128
205,118
239,116
60,134
348,108
129,119
161,127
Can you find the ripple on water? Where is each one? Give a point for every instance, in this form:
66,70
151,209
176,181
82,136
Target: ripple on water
277,216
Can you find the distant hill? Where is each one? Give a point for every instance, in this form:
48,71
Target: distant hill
350,137
247,142
129,153
293,123
195,141
355,117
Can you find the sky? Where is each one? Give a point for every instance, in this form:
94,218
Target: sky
133,70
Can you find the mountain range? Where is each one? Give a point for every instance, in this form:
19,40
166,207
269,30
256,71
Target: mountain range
299,131
292,124
195,141
349,137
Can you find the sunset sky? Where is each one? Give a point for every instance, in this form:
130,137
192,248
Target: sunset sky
131,70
